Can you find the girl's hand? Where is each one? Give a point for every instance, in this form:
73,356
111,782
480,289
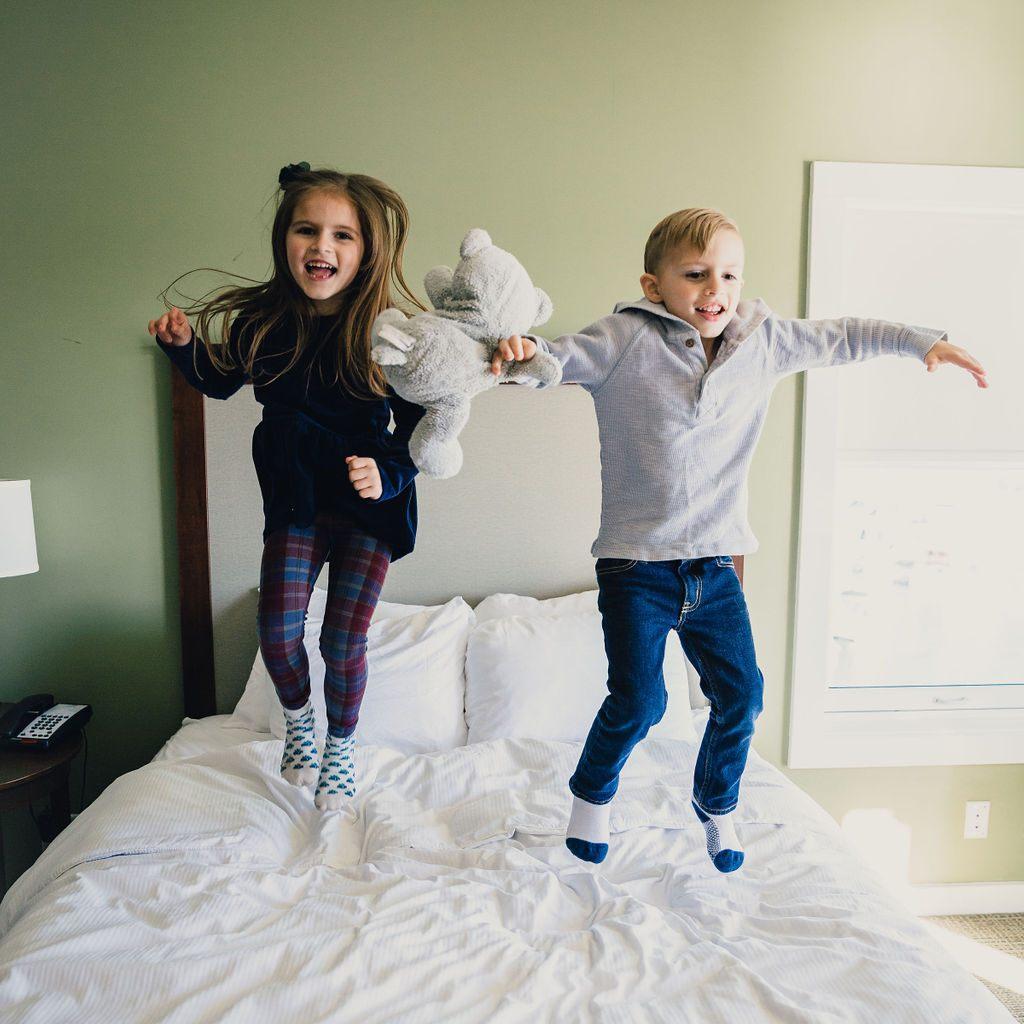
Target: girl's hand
364,476
944,352
512,348
172,328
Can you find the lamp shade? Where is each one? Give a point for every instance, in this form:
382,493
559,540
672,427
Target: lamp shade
17,535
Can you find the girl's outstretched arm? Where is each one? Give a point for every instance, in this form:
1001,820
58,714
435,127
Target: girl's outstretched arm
176,337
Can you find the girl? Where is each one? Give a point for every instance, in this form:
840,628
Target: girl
336,485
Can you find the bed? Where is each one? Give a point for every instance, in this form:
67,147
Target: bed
202,888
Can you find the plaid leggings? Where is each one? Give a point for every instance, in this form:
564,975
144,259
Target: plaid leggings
292,559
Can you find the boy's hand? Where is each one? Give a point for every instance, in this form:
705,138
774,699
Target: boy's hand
364,476
512,348
944,352
172,328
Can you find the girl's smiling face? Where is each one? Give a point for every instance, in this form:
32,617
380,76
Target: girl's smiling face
701,288
325,247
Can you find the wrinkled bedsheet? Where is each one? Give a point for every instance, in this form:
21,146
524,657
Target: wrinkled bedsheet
202,888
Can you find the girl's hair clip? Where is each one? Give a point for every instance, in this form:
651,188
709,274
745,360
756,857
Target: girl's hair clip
291,173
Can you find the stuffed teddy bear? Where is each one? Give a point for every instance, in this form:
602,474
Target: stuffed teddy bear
441,358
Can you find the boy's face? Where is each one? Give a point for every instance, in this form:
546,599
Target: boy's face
325,247
701,288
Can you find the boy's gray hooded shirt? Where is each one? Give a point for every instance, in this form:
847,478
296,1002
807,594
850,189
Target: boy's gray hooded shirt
677,438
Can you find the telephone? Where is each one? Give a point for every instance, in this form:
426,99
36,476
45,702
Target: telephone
37,722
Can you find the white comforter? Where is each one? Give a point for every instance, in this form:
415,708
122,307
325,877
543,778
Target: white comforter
202,888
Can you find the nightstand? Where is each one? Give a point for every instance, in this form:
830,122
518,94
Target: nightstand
27,775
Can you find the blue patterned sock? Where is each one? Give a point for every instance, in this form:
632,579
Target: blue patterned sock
300,762
337,783
724,847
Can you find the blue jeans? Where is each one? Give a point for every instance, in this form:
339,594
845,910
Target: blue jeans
702,601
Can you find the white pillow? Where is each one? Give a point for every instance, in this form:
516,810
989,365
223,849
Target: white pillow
384,609
252,711
544,676
416,678
258,697
497,606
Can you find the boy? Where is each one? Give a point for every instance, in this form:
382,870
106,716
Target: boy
681,381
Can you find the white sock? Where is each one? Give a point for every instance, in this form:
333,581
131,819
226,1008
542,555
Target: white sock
300,761
337,782
587,834
724,846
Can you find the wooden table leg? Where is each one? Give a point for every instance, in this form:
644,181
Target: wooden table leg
60,803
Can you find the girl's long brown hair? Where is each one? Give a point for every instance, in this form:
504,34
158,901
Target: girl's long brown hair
261,307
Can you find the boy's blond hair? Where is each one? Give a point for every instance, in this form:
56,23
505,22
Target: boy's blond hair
694,228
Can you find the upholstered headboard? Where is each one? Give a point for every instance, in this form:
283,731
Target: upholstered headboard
519,518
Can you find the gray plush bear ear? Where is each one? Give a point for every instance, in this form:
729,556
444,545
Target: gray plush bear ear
544,308
438,283
475,241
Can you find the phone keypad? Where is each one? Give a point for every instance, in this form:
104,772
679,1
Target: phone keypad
43,726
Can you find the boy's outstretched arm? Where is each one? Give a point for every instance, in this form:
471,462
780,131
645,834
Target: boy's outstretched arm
795,345
943,352
587,358
514,348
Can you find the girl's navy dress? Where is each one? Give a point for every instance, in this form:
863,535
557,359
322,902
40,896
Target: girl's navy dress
310,424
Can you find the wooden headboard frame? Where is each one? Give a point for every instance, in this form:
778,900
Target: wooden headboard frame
193,549
197,664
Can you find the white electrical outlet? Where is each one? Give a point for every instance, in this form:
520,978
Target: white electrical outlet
976,819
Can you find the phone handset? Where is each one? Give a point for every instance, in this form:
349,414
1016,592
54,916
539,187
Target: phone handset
16,718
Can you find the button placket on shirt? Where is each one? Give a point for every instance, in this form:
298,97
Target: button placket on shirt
706,402
699,369
704,406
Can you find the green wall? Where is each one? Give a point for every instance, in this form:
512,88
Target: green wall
140,140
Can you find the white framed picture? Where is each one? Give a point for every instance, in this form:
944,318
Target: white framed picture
909,626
